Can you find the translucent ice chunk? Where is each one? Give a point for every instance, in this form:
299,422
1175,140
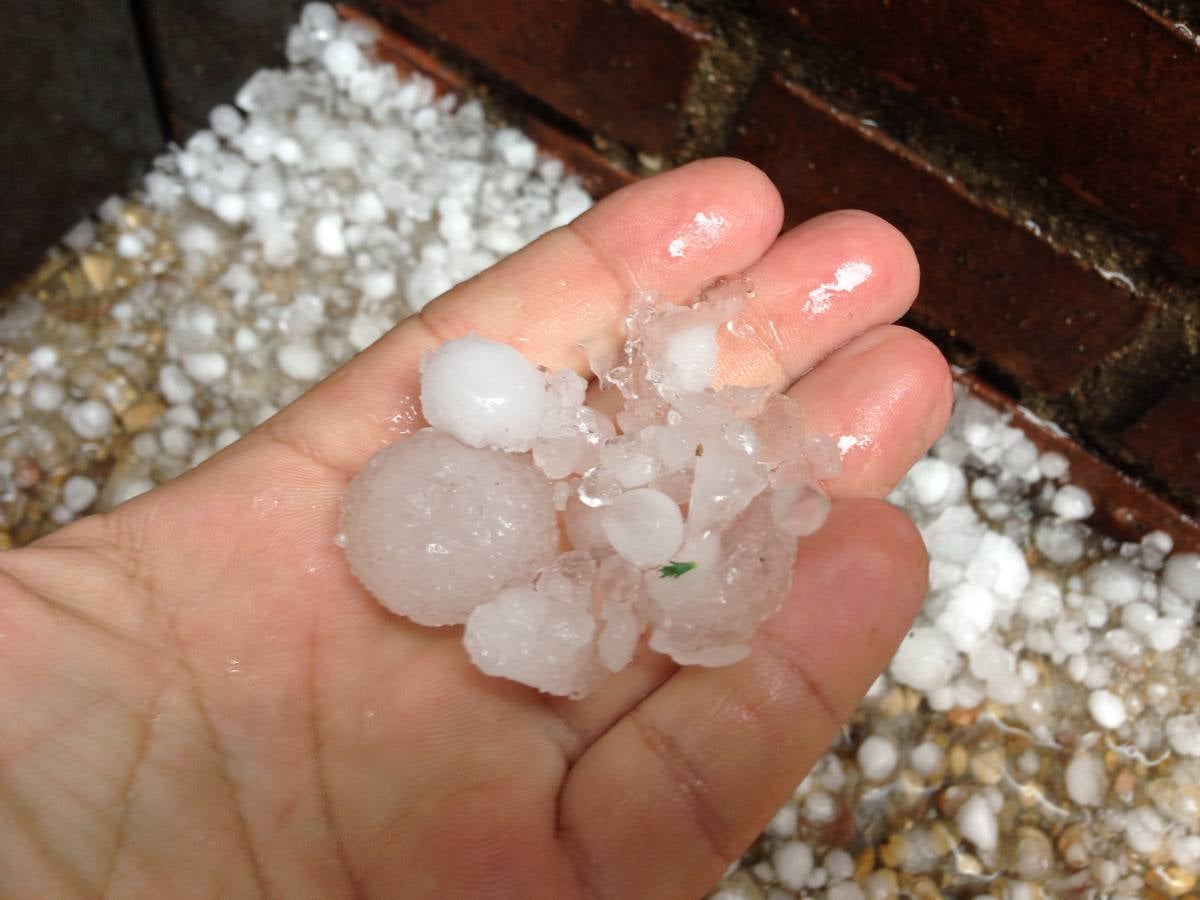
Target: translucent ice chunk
740,578
644,526
484,393
434,528
535,639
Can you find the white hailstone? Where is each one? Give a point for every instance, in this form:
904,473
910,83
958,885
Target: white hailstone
1107,709
645,527
877,758
1139,617
926,758
230,208
1165,635
245,340
1053,465
328,236
43,359
999,565
785,822
1182,575
379,285
121,490
793,862
206,367
967,615
177,441
484,393
81,236
517,151
78,493
225,120
1114,580
199,240
689,356
1144,830
925,660
1041,600
954,535
533,638
1060,541
819,807
1085,780
413,515
335,150
130,246
1073,503
936,484
976,821
300,360
1183,733
91,420
342,58
174,385
46,396
289,152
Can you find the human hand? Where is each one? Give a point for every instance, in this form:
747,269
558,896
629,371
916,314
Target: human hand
199,698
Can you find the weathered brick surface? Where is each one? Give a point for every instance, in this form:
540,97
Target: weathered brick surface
1099,92
621,67
985,281
1165,441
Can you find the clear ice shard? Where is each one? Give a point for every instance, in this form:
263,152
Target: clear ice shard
565,538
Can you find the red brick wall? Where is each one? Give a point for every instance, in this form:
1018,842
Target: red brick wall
1043,158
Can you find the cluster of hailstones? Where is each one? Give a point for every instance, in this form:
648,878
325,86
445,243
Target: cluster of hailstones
559,536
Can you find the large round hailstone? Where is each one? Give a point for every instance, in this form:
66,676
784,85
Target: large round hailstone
434,529
484,393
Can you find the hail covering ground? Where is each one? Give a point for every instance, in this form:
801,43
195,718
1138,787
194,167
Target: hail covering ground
1036,735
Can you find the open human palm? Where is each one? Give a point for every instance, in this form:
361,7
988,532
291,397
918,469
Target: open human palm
198,698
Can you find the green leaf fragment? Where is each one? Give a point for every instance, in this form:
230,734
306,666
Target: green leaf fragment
675,569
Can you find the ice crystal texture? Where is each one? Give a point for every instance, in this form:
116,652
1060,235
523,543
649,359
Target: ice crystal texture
559,536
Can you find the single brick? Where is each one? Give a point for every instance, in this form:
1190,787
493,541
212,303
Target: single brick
985,280
621,67
1166,440
1101,93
